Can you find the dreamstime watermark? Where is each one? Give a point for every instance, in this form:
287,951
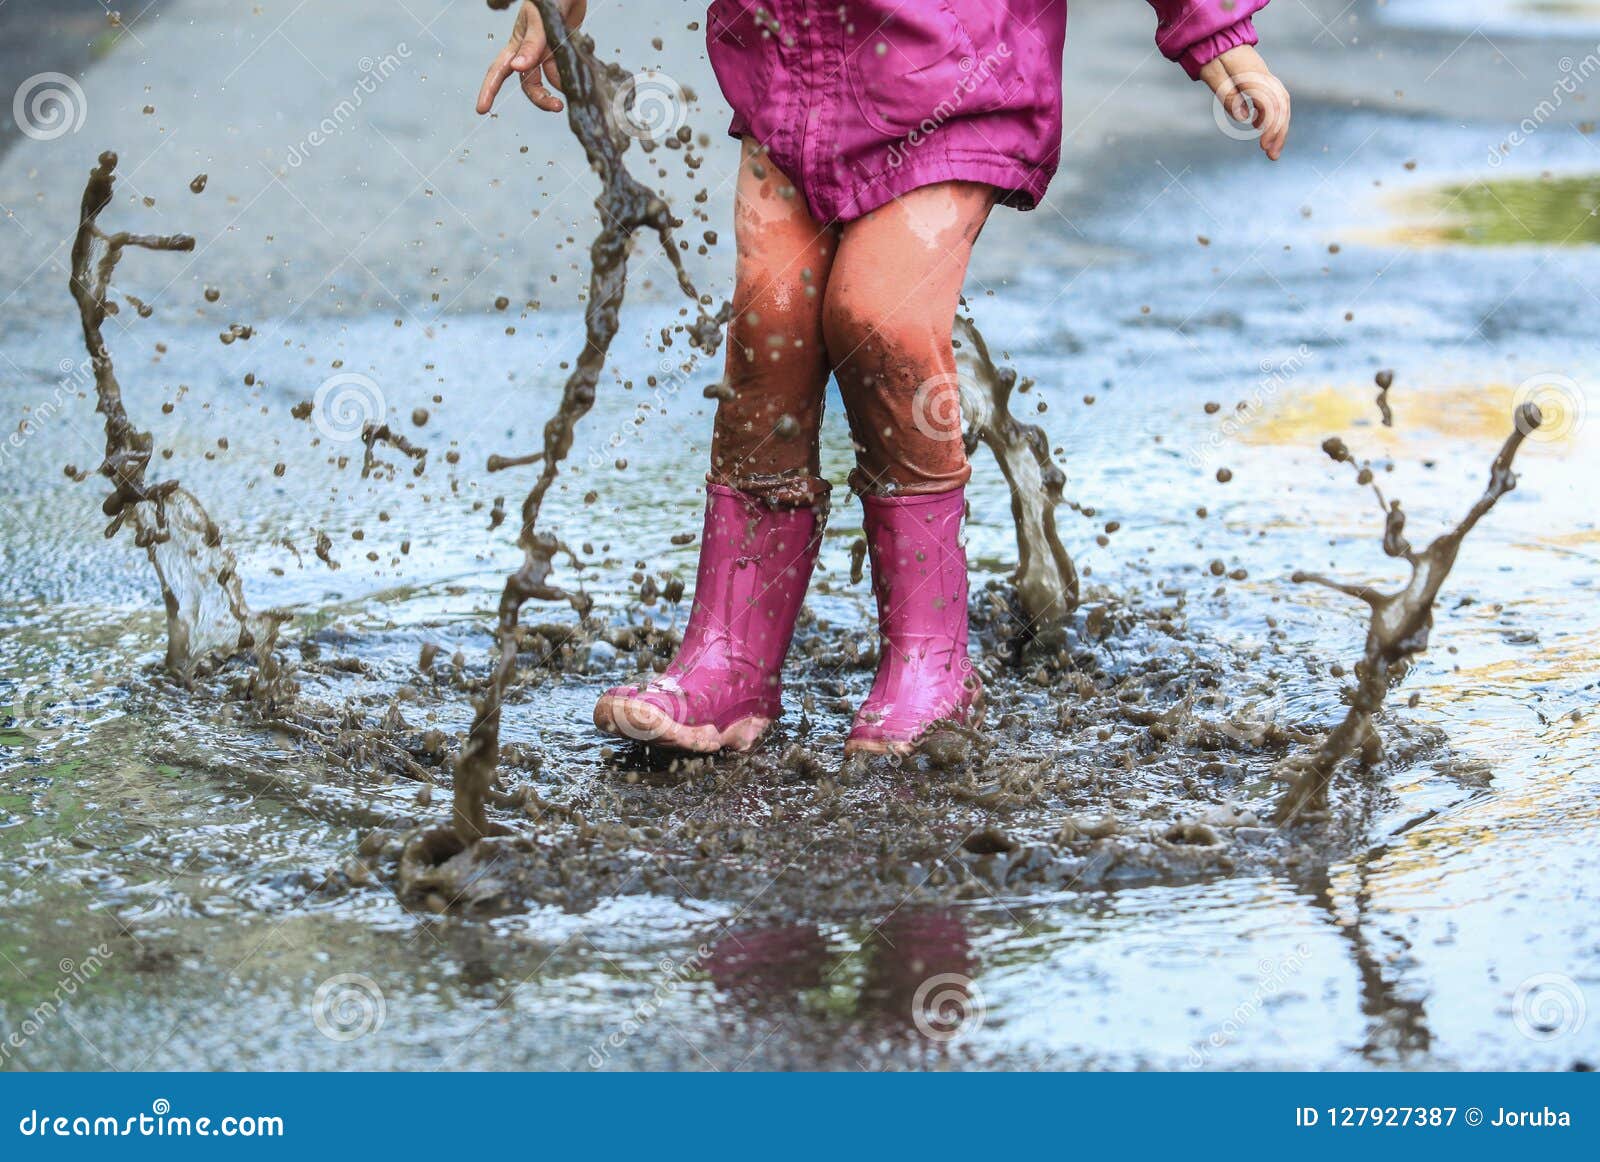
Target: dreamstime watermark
669,379
345,404
976,74
76,378
1273,378
1547,1006
936,407
650,106
45,710
671,976
75,975
1573,76
1561,402
49,105
348,1006
947,1007
1272,977
645,721
160,1122
373,74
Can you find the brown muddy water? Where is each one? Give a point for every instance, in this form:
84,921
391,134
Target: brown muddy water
200,876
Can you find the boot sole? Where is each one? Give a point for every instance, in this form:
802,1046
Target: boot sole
638,721
901,746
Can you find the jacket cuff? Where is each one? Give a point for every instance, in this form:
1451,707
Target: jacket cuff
1205,51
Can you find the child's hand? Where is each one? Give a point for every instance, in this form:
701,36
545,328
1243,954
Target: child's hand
1251,94
527,53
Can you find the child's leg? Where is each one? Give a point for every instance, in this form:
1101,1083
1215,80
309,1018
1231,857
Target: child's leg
890,305
764,494
765,438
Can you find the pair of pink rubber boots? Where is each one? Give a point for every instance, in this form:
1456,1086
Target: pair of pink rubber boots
724,689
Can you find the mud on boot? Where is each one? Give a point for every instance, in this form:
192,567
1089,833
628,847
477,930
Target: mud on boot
723,689
919,576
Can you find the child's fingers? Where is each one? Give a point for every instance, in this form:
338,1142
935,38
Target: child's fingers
1265,95
1271,102
505,61
1215,74
551,75
533,86
499,70
531,50
528,53
532,58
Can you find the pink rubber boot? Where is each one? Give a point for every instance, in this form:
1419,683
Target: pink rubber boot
723,689
919,574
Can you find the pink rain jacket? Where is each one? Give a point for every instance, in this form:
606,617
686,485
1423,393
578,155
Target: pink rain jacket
859,101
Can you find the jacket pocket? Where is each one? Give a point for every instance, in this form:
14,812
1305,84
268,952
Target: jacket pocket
906,71
1003,40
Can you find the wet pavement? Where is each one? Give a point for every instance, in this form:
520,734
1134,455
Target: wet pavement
220,878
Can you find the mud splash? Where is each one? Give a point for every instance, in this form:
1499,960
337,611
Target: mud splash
1046,581
1400,623
184,545
373,434
592,88
1102,772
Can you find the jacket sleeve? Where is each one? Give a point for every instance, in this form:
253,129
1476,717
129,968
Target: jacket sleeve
1194,32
